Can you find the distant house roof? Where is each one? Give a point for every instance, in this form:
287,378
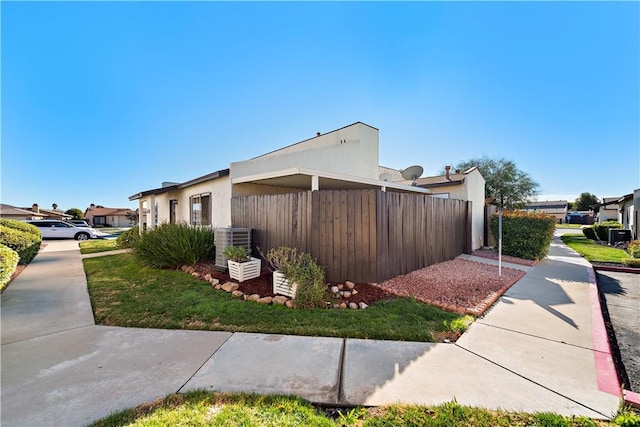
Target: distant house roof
608,203
456,178
548,204
176,186
8,210
108,211
56,213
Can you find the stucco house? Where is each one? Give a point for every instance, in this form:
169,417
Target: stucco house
108,217
557,208
629,206
607,210
343,159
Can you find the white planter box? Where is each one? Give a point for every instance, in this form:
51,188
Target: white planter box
281,285
242,271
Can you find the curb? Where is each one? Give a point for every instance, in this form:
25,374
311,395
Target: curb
617,269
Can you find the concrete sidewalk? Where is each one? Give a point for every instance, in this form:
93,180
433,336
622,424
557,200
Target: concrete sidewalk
535,350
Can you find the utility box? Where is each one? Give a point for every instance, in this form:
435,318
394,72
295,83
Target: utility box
225,237
617,235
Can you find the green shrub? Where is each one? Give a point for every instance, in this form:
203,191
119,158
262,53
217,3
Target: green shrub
8,263
302,269
173,245
129,238
236,253
20,225
281,257
634,249
589,233
631,262
602,229
524,235
26,244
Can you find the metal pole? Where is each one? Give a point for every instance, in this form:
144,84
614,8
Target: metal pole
500,239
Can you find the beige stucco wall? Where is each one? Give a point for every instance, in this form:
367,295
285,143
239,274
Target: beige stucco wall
352,150
249,189
220,189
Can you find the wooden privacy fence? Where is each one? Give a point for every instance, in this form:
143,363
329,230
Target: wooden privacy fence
359,235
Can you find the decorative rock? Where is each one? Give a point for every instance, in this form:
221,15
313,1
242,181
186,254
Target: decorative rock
215,281
207,277
346,294
340,286
353,306
289,303
195,274
237,294
354,292
335,289
230,287
362,305
189,269
265,300
253,297
343,305
280,300
349,284
217,286
184,268
341,293
336,305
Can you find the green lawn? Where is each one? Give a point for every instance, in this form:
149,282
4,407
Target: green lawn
94,246
592,251
125,293
200,408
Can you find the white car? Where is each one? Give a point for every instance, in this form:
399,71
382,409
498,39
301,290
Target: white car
54,229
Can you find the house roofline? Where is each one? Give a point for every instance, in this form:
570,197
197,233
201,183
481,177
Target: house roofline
313,137
204,178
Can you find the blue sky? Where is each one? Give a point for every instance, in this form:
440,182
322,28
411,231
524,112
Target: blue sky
103,100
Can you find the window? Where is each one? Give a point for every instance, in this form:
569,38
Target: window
99,220
201,209
172,210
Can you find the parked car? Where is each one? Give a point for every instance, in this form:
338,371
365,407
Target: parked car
55,229
78,222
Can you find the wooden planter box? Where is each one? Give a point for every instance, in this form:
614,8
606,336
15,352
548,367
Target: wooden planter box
242,271
281,285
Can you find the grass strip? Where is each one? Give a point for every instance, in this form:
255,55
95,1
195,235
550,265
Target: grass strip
95,246
200,408
592,251
125,293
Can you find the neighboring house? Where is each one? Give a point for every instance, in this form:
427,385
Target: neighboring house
629,206
108,217
557,208
607,210
343,159
12,212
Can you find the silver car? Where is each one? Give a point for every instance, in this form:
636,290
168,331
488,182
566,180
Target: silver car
54,229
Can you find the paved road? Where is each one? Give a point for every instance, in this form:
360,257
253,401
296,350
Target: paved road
621,292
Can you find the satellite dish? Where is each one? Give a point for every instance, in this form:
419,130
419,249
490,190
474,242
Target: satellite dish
412,173
385,177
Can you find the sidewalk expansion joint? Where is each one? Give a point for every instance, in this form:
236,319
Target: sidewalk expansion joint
533,382
343,354
49,334
204,363
536,336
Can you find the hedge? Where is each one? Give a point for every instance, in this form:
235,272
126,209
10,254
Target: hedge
8,263
590,233
24,243
602,230
20,225
524,235
634,249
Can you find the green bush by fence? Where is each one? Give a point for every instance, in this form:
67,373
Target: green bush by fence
173,245
524,235
634,249
589,233
25,243
602,230
8,263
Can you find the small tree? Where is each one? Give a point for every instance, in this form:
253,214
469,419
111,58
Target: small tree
54,206
133,216
504,182
75,212
585,202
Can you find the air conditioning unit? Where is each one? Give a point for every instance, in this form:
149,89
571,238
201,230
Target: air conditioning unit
225,237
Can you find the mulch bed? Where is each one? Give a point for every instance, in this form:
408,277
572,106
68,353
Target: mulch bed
263,285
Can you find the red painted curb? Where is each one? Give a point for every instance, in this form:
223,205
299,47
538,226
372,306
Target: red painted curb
632,398
617,269
605,369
